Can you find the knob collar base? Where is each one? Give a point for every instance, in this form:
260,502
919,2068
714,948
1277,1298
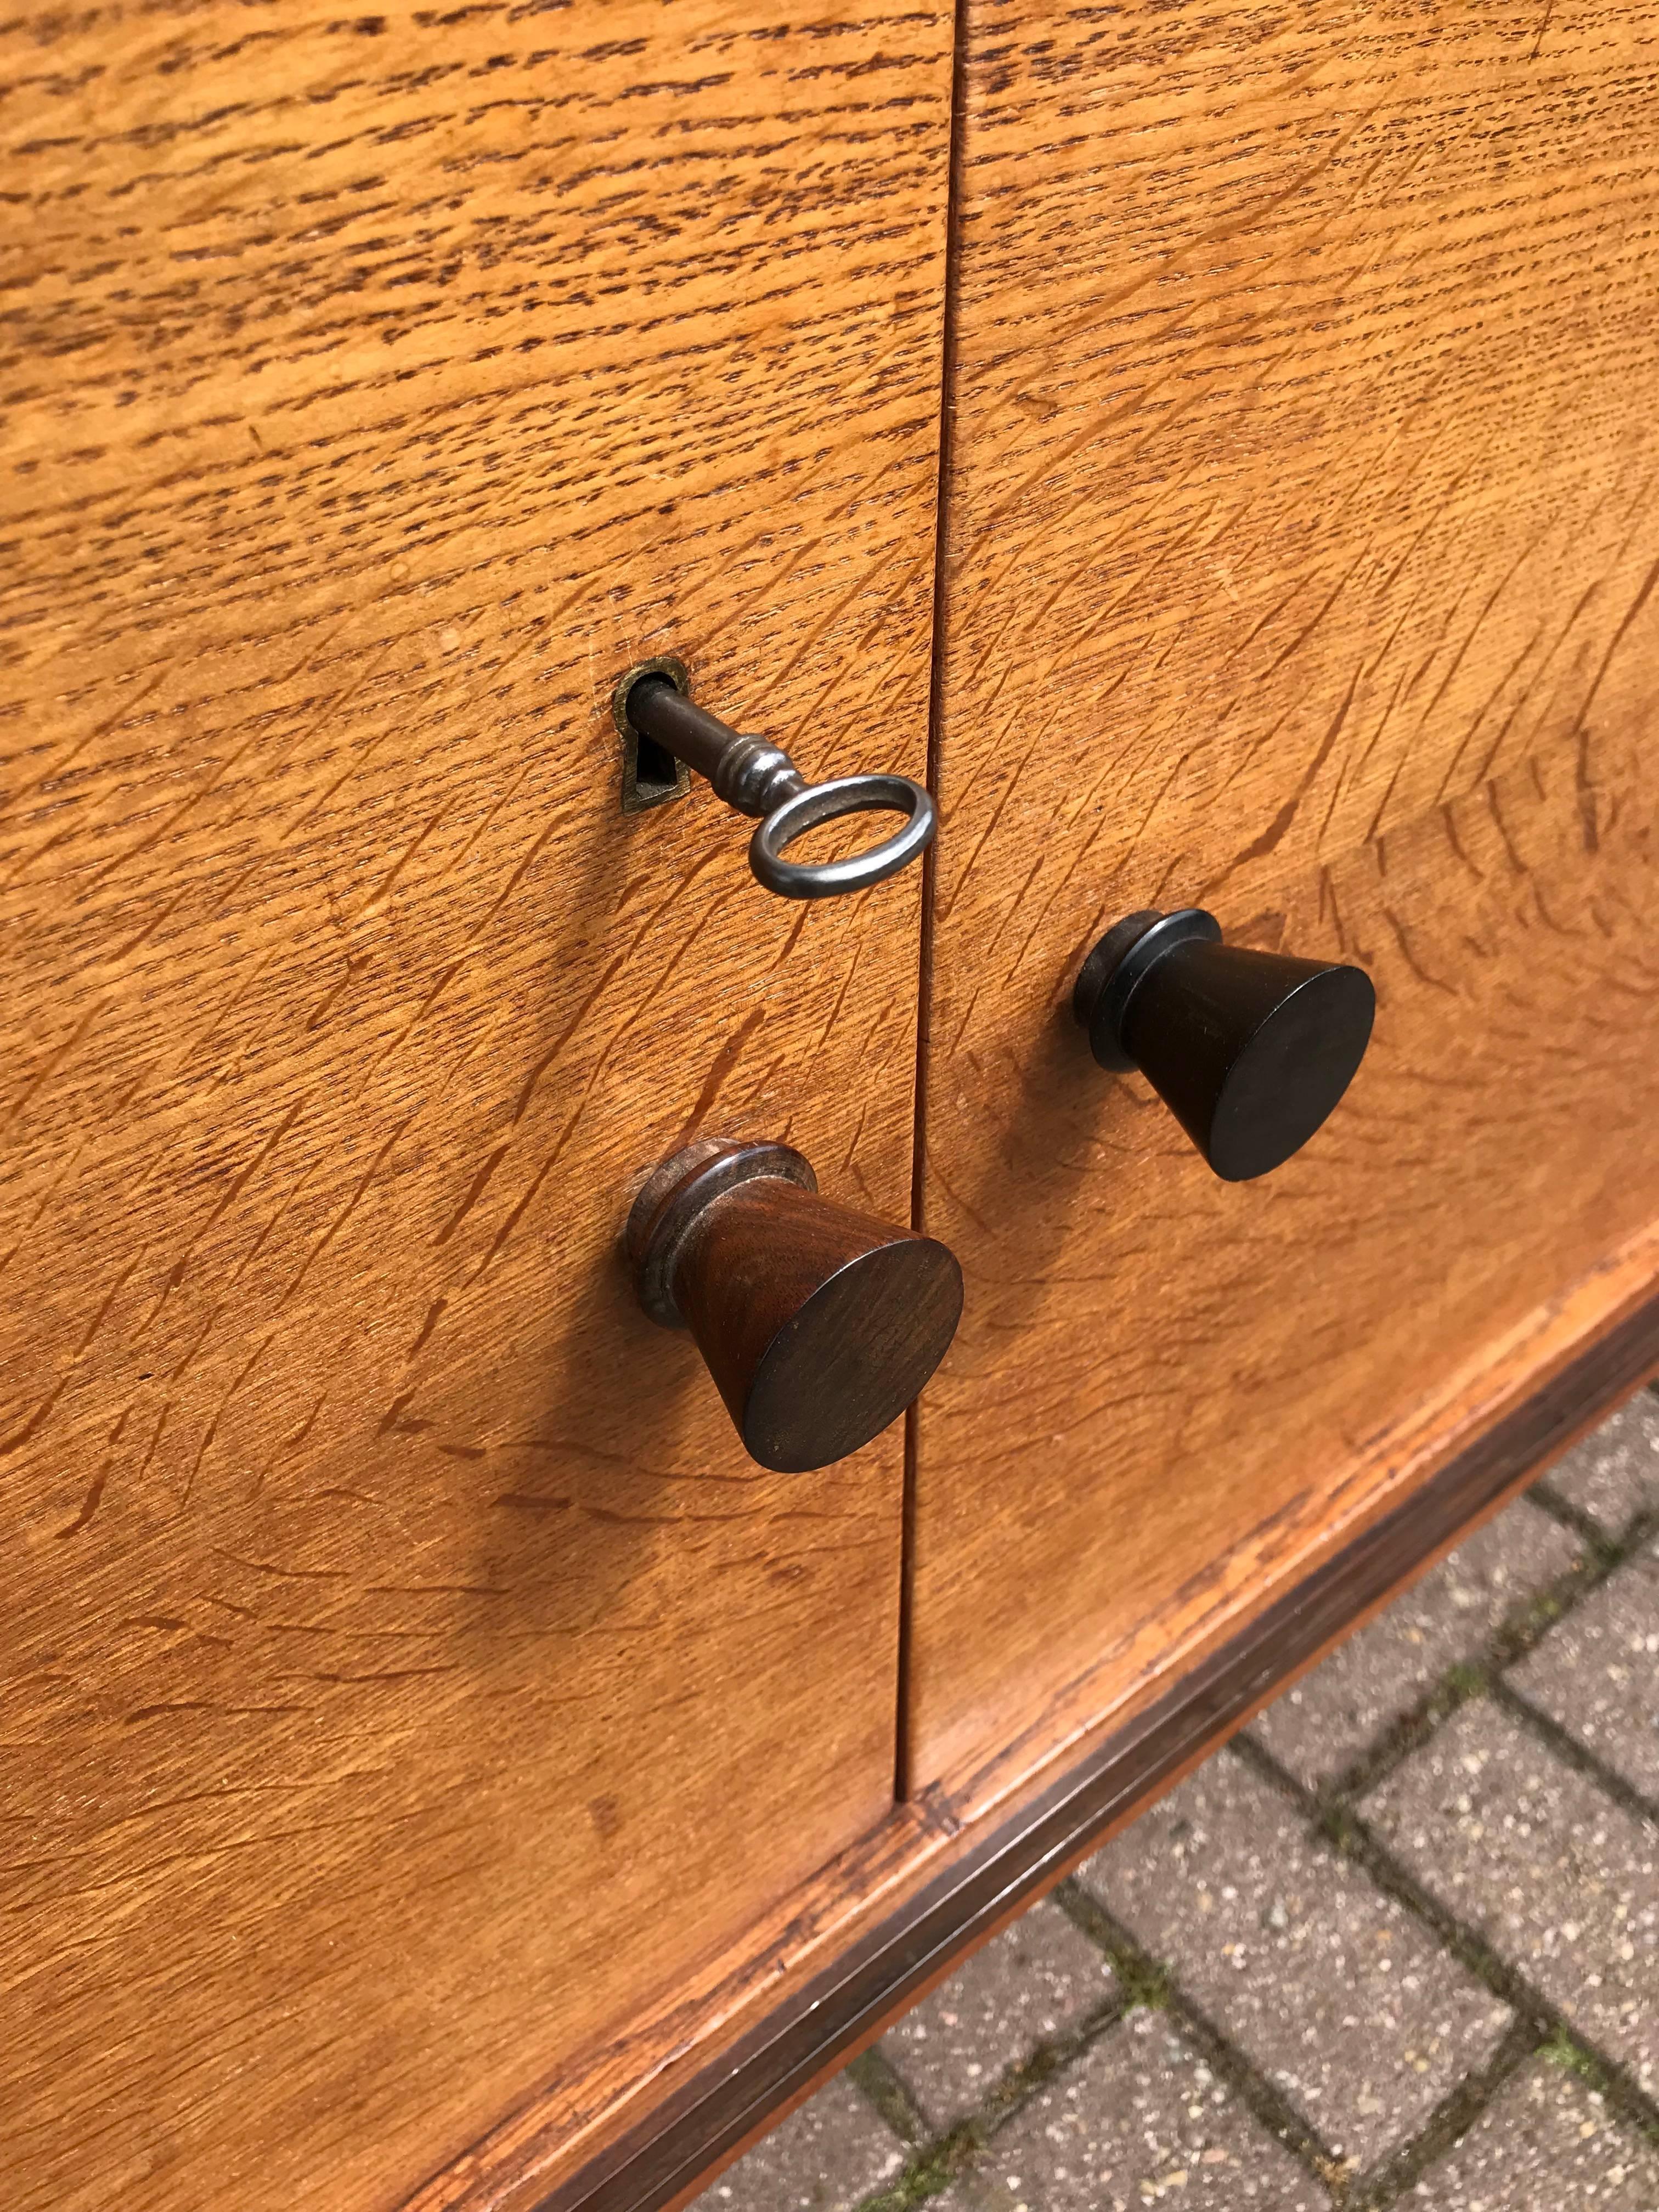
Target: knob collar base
1117,967
673,1199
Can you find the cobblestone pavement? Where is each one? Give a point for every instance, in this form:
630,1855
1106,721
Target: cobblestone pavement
1397,1944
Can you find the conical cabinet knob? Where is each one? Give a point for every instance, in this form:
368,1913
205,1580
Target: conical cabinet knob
819,1324
1250,1051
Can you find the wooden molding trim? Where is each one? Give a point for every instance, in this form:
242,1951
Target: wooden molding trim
663,2159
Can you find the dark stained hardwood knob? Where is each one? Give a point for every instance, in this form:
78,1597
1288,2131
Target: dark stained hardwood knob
819,1324
1250,1051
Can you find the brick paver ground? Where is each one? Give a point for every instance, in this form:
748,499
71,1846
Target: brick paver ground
1397,1945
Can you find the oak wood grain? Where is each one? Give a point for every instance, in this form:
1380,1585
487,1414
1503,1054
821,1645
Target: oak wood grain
704,2076
994,1871
409,1679
1301,555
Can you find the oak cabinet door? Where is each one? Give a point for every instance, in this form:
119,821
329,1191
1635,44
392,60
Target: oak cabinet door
410,1681
1302,555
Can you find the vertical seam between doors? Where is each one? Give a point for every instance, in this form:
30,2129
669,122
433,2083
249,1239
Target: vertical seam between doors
902,1765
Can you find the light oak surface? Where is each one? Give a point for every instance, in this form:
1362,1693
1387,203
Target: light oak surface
1301,564
844,1954
428,1740
408,1679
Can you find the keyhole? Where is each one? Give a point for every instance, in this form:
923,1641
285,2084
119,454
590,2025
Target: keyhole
651,774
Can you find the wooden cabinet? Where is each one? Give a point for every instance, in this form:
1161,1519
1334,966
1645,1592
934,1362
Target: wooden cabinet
442,1771
412,1689
1300,565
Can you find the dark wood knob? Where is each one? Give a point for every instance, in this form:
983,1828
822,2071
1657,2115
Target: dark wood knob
819,1324
1250,1051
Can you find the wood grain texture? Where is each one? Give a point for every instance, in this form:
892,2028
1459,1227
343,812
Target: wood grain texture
898,1912
1301,563
408,1676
